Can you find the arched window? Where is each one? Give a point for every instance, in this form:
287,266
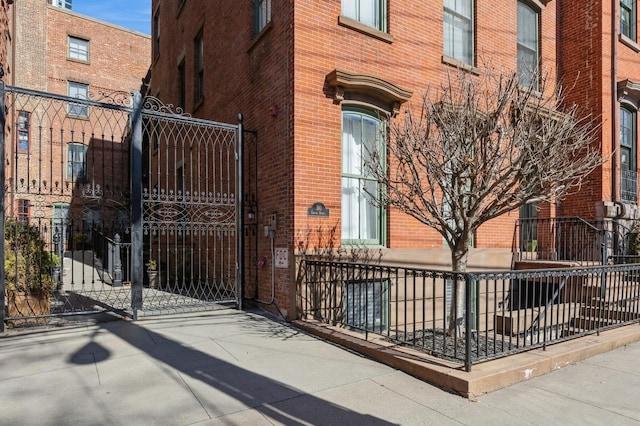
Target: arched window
362,221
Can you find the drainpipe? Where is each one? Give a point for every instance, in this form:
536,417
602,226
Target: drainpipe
615,133
614,104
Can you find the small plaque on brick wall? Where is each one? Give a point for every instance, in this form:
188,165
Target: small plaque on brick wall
318,209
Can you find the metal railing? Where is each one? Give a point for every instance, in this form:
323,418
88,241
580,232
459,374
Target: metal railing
115,257
470,317
564,238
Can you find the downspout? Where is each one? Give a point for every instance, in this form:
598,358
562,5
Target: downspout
614,130
614,105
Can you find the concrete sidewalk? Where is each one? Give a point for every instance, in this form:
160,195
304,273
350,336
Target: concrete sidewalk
240,368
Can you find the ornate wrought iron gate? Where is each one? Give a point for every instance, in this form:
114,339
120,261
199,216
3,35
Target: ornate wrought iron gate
190,207
95,188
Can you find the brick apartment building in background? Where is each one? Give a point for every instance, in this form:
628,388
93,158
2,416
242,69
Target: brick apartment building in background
58,156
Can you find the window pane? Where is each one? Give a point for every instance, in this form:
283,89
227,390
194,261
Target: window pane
78,49
23,131
350,201
76,161
369,214
350,9
263,14
351,144
79,91
370,137
458,37
369,12
527,44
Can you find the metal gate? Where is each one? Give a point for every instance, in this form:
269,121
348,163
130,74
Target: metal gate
190,203
96,191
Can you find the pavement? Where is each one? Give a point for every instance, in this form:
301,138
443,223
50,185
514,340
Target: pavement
229,367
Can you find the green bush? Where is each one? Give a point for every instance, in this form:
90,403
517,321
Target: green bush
28,266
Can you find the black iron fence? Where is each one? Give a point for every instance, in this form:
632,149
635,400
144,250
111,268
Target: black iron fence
565,239
470,317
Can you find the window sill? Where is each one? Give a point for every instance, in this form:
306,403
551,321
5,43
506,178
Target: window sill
78,117
364,29
629,43
260,35
448,60
78,61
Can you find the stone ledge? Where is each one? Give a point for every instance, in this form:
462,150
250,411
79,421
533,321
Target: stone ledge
486,376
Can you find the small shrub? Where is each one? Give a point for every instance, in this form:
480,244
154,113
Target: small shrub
28,266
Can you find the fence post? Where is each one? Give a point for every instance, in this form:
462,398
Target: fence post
468,321
2,183
136,206
240,272
117,263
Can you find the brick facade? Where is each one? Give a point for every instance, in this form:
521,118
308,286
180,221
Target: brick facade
278,79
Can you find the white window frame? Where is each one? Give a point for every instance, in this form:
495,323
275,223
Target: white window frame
368,12
79,91
459,30
528,47
78,49
362,222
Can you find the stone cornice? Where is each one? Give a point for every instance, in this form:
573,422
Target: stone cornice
343,81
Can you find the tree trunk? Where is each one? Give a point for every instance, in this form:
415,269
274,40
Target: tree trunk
459,256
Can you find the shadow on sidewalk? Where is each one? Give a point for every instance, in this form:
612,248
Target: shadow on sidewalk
271,398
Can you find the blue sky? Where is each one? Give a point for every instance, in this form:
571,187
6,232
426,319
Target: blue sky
132,14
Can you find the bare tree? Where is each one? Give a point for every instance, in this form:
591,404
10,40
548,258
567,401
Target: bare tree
480,147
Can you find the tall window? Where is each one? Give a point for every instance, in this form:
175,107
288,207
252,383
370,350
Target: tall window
628,156
458,30
79,91
156,34
370,12
362,222
23,131
199,67
263,14
78,49
528,44
76,161
23,210
628,18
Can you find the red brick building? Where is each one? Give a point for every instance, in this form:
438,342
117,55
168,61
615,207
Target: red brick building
306,77
64,151
601,66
